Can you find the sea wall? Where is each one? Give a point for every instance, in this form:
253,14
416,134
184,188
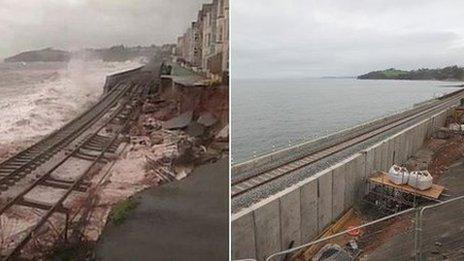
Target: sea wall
114,79
301,212
275,159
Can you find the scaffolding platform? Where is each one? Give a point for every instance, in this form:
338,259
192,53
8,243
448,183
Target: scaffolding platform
432,193
391,197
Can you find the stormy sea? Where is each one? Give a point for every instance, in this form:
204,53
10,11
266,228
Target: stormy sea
37,98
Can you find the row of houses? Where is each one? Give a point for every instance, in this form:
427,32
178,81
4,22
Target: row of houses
205,44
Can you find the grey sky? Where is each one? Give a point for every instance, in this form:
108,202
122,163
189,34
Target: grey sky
307,38
72,24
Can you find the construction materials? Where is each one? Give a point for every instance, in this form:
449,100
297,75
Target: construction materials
432,193
398,175
421,180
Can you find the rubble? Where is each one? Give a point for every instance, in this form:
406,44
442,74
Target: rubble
163,145
179,122
207,119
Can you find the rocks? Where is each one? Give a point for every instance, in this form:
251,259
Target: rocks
151,124
195,129
207,119
156,138
223,134
179,122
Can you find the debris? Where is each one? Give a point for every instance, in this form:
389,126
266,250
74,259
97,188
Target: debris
195,129
156,138
454,127
332,252
207,119
353,244
223,134
179,122
151,124
354,232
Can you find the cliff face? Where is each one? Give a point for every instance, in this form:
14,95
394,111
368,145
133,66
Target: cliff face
44,55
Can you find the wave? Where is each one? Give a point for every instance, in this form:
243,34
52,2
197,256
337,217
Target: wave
36,100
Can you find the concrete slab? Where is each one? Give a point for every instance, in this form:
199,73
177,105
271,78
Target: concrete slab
267,229
309,220
377,157
397,150
290,219
350,176
181,220
338,191
324,202
360,178
243,237
391,152
384,156
179,122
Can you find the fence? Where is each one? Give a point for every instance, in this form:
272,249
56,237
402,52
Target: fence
433,232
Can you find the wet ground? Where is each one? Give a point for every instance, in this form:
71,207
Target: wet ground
182,220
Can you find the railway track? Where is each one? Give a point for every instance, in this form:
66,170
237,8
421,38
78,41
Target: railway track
245,184
17,167
85,138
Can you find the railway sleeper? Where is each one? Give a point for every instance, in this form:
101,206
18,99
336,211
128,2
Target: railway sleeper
62,184
93,147
4,187
40,205
90,158
96,144
98,149
4,171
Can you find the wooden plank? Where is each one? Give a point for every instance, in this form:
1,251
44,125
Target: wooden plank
434,192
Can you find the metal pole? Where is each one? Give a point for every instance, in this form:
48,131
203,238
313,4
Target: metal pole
417,235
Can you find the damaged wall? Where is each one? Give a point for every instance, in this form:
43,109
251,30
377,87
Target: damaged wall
199,99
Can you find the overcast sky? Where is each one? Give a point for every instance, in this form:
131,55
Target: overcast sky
72,24
307,38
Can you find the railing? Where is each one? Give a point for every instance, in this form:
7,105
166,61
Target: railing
421,233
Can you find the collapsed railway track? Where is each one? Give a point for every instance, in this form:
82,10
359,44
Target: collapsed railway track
244,184
90,137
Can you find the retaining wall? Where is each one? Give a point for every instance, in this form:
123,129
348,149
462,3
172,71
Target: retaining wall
304,210
114,79
275,159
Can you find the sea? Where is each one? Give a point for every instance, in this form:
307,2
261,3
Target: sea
37,98
269,115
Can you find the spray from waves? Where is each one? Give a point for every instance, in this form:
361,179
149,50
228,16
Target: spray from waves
42,98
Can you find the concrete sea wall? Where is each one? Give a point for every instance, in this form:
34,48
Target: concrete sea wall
276,158
114,79
301,212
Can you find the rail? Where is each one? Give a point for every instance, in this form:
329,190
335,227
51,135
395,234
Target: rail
249,182
127,97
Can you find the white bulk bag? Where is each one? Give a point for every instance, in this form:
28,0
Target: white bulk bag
398,175
421,180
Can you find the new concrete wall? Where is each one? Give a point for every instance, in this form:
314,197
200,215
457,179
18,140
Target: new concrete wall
274,159
304,210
